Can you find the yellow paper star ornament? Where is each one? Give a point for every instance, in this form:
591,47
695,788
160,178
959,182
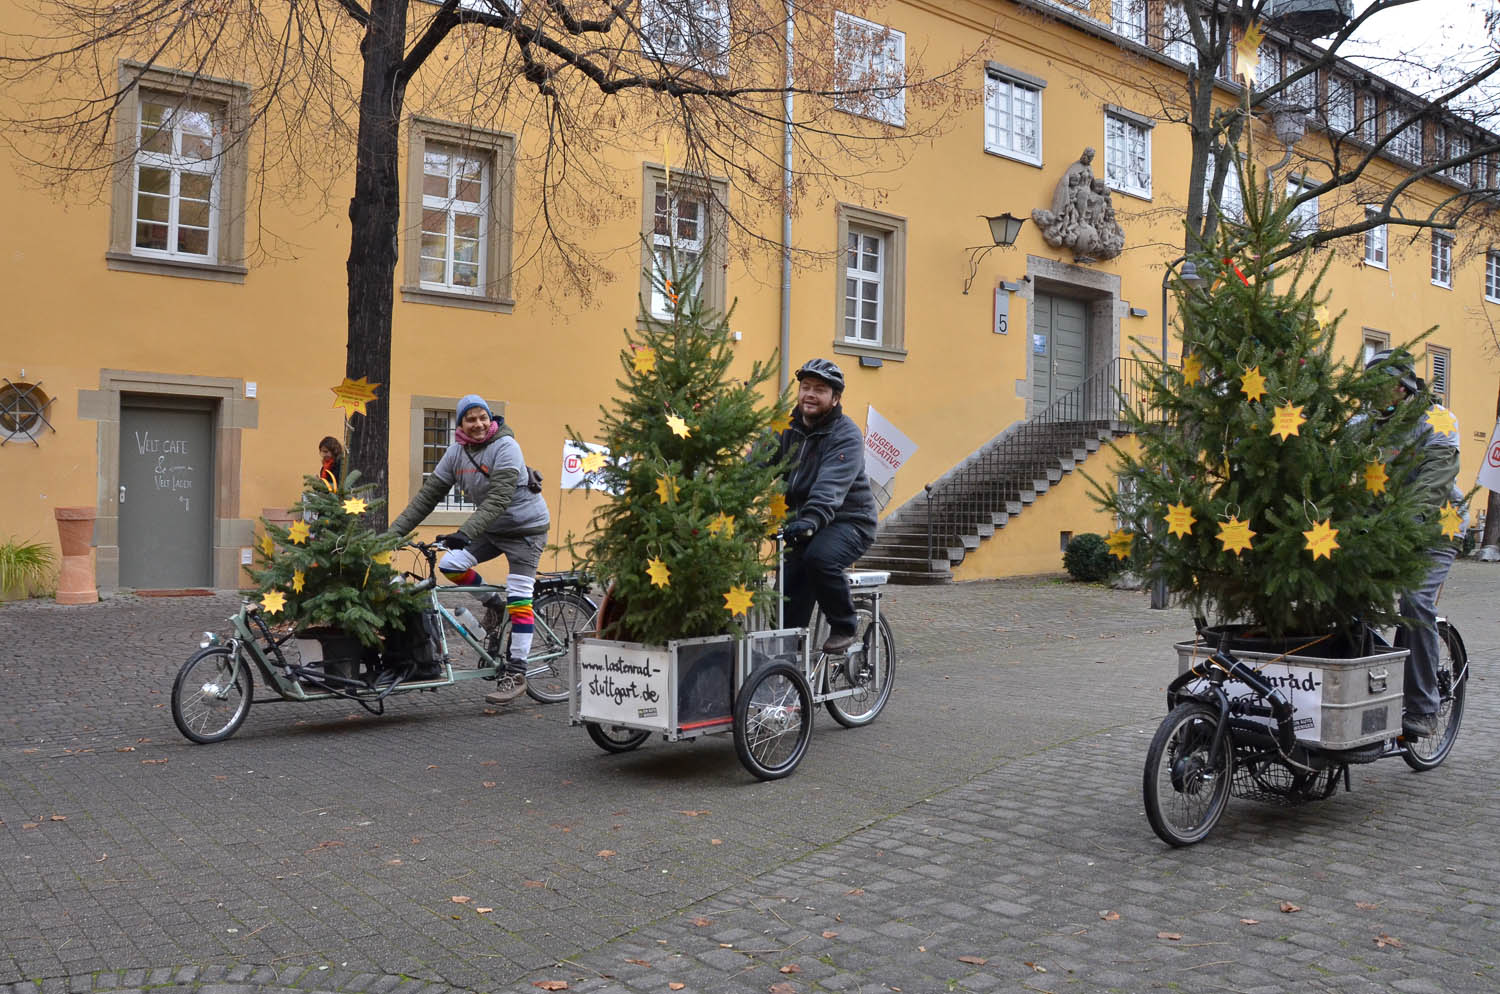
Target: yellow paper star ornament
776,507
667,489
298,580
1253,383
593,461
1375,477
272,602
644,360
722,523
1451,522
383,558
1179,519
1192,367
298,532
1119,542
1320,315
781,422
1247,53
1321,540
679,427
1287,422
1235,535
657,570
1442,420
267,546
737,600
355,505
353,395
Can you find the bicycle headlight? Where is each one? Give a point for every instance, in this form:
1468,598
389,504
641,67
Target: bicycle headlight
209,638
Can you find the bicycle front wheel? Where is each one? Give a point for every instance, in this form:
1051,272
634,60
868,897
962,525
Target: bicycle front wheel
872,673
773,720
616,738
1186,785
211,695
1453,677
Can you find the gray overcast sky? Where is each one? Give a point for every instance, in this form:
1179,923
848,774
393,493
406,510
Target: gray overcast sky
1425,44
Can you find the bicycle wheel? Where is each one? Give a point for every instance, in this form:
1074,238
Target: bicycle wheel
773,720
209,698
872,690
1453,677
561,616
1185,786
616,738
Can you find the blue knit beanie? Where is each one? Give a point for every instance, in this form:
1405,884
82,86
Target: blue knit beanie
471,400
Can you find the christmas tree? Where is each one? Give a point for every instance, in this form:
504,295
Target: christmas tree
1271,482
329,568
682,547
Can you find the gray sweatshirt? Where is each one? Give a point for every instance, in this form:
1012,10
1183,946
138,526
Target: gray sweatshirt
492,477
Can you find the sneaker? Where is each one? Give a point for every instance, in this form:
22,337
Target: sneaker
838,643
507,688
1417,726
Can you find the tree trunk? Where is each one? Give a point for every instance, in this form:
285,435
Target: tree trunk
375,217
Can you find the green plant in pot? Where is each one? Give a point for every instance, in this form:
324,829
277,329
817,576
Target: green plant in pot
1271,488
26,568
329,571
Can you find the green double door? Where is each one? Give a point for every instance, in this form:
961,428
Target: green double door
1059,348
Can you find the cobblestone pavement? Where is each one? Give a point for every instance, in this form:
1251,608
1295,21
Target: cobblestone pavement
985,834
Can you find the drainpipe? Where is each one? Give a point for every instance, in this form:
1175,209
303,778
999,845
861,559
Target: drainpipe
786,214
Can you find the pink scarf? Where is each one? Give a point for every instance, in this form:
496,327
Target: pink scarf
460,435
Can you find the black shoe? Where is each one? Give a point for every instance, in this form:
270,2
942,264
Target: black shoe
1418,726
838,643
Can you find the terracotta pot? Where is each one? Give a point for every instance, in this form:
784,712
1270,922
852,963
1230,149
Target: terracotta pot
75,530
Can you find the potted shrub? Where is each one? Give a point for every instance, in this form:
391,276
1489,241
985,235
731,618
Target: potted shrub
26,568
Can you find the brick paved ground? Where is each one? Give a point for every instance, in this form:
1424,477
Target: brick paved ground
993,813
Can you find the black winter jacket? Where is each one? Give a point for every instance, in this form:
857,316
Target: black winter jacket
826,479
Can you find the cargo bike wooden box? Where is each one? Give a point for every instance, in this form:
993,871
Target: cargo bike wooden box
761,687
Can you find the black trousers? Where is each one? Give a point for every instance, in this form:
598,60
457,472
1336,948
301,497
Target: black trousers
815,573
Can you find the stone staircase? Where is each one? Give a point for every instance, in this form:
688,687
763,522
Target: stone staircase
927,536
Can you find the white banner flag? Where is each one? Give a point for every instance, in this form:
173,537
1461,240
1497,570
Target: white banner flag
573,476
1489,469
886,449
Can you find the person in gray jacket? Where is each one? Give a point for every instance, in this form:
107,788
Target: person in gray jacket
510,517
831,508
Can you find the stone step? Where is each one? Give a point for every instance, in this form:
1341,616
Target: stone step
904,564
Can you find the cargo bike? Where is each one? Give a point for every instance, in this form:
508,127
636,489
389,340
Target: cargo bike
762,687
1285,728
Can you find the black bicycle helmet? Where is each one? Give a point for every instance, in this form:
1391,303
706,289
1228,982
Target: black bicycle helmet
824,369
1398,363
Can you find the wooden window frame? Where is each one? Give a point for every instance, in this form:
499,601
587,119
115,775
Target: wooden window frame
893,285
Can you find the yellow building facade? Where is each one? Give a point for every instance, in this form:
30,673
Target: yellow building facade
161,371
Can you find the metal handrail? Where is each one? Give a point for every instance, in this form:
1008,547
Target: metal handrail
983,486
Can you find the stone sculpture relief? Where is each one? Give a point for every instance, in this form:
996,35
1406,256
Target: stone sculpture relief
1082,217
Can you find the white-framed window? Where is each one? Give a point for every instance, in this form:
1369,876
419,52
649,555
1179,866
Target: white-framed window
1442,259
1231,202
1012,117
1439,359
1268,70
1129,18
692,33
1376,240
1304,217
178,152
1369,119
1127,153
1177,34
870,62
1408,140
1304,92
865,265
1340,105
1492,276
1458,146
679,234
437,435
455,208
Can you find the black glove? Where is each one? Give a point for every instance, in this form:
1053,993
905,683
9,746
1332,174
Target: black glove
798,532
454,540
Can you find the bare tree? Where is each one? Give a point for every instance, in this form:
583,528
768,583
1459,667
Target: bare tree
707,81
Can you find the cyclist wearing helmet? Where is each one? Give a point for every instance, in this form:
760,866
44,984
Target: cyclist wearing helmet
832,512
1435,478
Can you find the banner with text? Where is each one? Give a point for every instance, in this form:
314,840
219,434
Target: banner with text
573,475
886,450
1489,468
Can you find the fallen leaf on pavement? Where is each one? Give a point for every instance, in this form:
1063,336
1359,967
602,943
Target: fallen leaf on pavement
550,985
1249,921
716,842
856,892
791,968
830,935
1037,967
701,922
605,853
1287,908
430,766
675,986
1382,940
1174,936
1365,905
973,960
126,749
1110,916
459,899
638,962
484,911
59,818
152,762
693,814
785,988
393,862
533,883
29,824
487,783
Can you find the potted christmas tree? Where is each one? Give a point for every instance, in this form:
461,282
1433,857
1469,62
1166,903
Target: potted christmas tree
682,548
1271,488
331,577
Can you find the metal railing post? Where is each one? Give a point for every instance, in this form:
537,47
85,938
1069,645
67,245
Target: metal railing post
928,488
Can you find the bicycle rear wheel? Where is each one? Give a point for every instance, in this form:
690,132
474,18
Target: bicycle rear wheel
562,616
1186,785
773,720
1453,678
616,738
872,684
